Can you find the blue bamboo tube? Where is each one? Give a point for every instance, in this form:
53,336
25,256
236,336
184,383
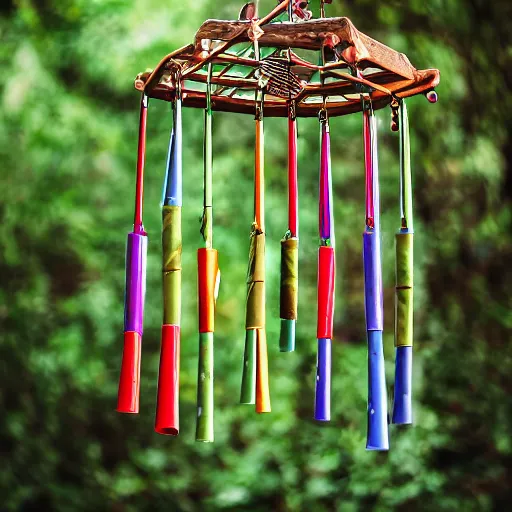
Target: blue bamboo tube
402,406
173,193
377,437
323,381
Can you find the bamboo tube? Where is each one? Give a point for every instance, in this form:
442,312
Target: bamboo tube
290,248
402,400
167,403
208,278
326,278
136,254
256,389
377,434
248,391
262,385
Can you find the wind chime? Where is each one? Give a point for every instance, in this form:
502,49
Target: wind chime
258,66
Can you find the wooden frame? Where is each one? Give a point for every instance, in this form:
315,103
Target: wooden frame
359,65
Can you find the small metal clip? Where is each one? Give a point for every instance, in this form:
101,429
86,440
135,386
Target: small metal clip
395,106
322,114
292,112
259,105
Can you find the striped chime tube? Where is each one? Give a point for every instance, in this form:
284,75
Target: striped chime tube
402,403
255,386
326,277
136,254
377,434
207,281
167,405
290,246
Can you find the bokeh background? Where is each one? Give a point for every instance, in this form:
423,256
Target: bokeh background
68,140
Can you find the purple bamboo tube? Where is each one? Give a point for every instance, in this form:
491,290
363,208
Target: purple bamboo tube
136,253
372,281
323,381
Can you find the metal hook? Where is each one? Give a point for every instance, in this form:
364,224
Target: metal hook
259,104
292,112
395,105
176,72
322,114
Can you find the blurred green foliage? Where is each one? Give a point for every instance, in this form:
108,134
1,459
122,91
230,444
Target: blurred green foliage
68,137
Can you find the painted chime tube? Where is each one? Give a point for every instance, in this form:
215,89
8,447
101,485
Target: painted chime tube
377,434
207,280
136,253
255,385
402,403
167,405
326,278
290,246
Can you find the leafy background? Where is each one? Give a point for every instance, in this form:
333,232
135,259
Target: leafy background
68,137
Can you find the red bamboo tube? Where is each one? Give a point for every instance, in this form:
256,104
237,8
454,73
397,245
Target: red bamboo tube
207,268
326,275
167,405
129,381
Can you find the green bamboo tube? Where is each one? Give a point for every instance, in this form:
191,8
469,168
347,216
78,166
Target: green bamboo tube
404,290
171,264
256,271
255,316
248,393
255,310
204,424
404,260
289,278
172,296
404,317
